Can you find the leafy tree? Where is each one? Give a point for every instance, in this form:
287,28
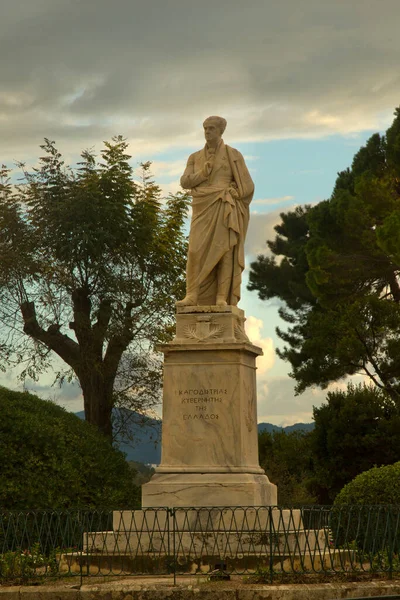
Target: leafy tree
336,267
52,459
288,462
354,431
92,262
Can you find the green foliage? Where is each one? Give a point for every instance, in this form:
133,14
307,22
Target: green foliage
336,268
354,431
375,529
379,485
51,459
92,264
24,565
287,460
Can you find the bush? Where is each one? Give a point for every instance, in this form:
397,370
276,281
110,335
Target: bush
51,459
20,566
367,511
380,485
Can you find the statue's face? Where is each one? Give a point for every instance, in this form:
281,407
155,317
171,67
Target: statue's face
212,132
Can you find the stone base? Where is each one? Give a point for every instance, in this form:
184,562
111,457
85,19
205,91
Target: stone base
204,545
204,324
208,533
209,489
208,520
245,538
209,453
156,563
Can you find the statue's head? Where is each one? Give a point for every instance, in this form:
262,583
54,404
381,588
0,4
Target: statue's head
214,127
219,122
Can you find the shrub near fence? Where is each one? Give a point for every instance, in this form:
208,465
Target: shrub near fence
271,542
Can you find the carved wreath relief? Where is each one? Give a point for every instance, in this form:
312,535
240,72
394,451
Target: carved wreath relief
240,333
203,330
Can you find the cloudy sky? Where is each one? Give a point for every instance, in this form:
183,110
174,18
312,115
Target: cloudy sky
302,83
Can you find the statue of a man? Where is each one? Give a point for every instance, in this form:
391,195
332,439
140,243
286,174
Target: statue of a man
222,189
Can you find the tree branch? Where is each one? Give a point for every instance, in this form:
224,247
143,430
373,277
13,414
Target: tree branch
370,359
394,286
103,319
61,344
82,307
118,344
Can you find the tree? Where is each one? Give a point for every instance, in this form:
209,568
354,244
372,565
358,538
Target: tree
92,262
52,459
341,261
354,430
288,462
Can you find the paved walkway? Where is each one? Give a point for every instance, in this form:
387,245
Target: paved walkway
148,588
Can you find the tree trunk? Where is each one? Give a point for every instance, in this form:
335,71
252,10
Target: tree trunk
96,374
98,401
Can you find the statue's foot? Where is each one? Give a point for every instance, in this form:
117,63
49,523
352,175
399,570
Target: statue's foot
220,301
187,301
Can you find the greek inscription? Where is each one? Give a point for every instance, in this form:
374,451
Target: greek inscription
205,417
203,401
202,392
200,400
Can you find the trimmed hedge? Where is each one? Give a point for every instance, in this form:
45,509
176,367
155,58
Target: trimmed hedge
367,512
49,458
379,485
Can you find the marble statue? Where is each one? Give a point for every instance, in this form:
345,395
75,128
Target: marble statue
209,451
222,189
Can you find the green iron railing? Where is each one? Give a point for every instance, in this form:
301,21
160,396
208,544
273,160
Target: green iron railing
265,542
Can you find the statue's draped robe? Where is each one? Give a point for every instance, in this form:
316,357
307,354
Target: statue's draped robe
219,221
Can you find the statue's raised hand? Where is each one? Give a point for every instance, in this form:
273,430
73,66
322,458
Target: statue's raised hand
208,166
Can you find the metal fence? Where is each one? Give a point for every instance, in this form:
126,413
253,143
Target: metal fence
260,542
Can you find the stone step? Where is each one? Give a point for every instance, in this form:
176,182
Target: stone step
201,543
106,564
209,519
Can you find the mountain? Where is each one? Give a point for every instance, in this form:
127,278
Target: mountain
296,427
145,433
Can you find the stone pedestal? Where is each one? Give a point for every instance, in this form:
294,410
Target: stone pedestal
209,438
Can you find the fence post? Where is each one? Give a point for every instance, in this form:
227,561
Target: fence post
171,513
391,544
271,561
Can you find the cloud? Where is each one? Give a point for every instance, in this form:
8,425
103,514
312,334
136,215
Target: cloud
167,174
278,404
172,187
168,168
272,201
279,70
261,229
69,395
253,328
